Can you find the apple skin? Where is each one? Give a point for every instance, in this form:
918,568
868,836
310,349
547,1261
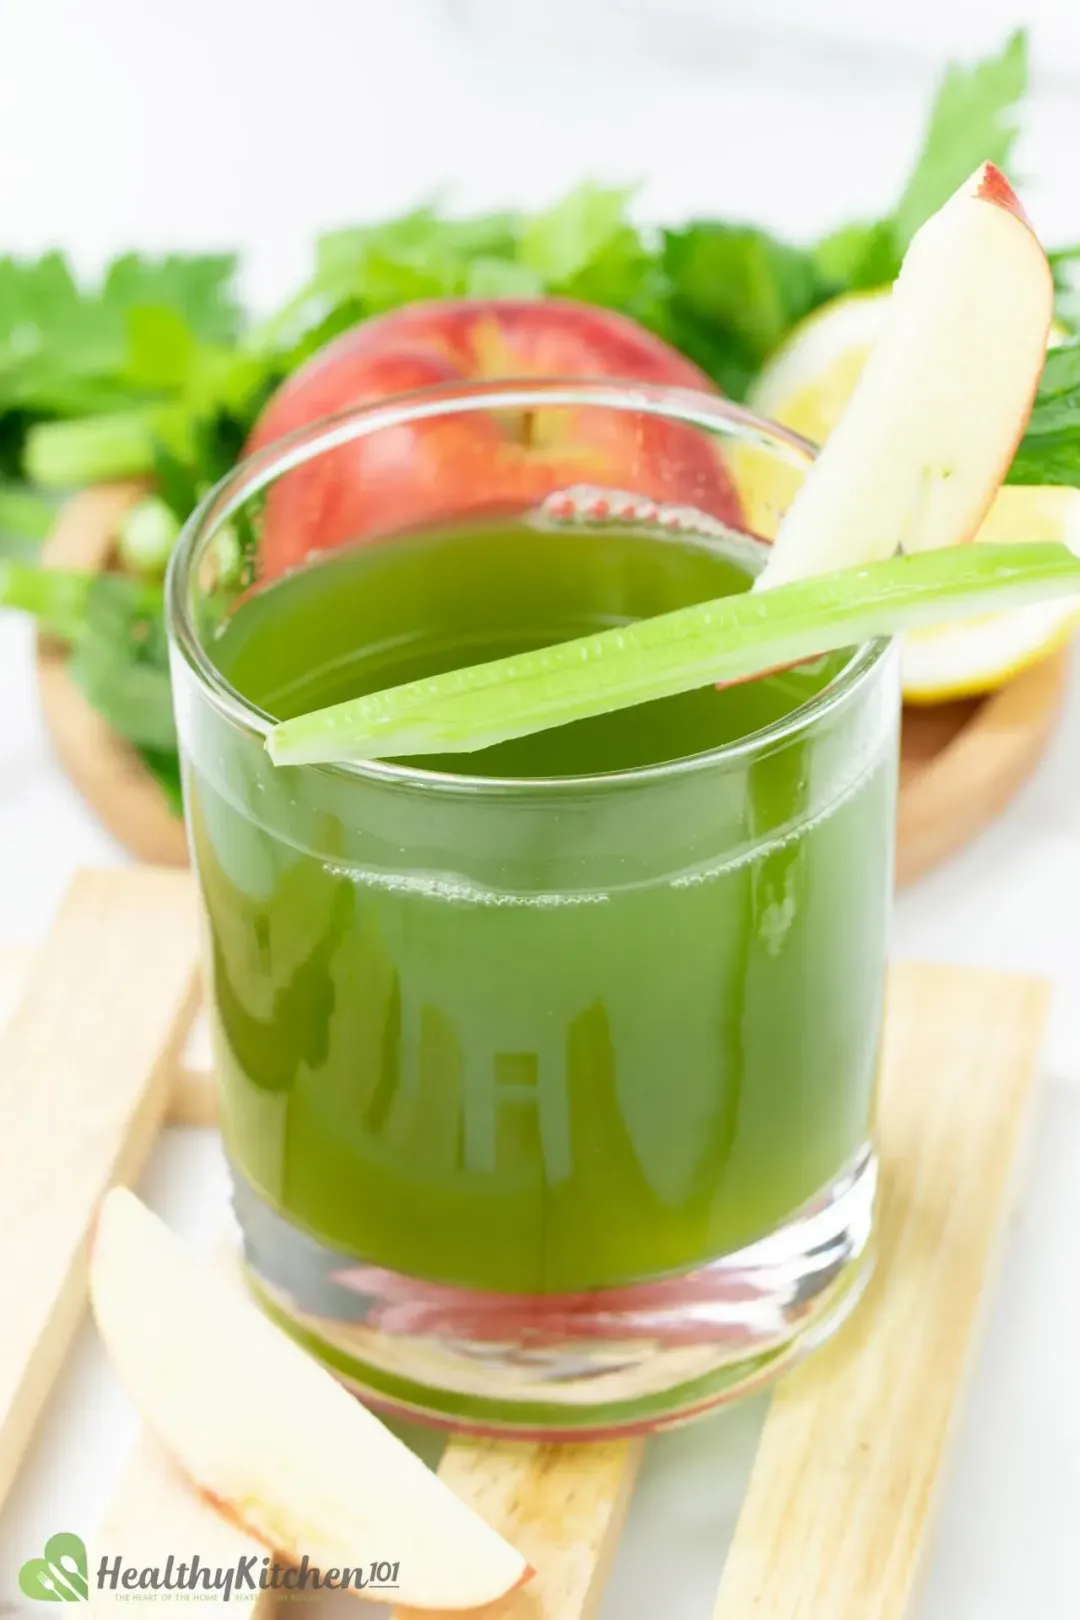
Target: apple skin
988,184
406,478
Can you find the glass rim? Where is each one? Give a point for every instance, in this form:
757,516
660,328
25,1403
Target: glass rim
688,406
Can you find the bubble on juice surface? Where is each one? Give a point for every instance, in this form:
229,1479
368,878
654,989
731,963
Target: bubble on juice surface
459,891
858,779
586,505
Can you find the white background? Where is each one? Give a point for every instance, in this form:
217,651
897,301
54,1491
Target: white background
231,122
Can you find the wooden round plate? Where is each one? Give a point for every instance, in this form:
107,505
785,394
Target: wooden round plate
961,763
107,771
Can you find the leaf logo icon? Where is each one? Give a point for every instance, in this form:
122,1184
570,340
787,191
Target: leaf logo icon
60,1575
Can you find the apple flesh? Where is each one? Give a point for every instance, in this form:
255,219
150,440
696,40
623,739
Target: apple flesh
268,1436
479,463
155,1512
942,402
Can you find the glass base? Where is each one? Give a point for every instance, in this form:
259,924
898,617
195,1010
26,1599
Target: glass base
607,1362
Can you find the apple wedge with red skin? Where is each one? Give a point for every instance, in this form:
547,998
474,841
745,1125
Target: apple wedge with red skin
483,462
928,435
268,1436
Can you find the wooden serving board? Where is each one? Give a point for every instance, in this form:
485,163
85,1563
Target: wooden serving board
962,763
841,1495
106,770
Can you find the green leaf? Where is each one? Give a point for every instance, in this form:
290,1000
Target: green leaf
38,301
623,275
53,345
1064,264
385,280
563,241
200,288
24,514
975,119
161,348
129,612
305,326
133,697
717,352
68,350
858,258
141,357
116,628
736,291
120,660
419,255
57,598
176,481
417,237
502,278
1049,452
14,427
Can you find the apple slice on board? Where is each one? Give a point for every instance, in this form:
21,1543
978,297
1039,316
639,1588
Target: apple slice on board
943,400
268,1436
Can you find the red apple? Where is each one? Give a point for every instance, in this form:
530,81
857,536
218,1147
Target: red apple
486,462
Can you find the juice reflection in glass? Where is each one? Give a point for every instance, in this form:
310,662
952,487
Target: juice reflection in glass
547,1073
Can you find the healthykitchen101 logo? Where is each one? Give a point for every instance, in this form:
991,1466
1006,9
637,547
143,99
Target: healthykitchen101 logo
62,1575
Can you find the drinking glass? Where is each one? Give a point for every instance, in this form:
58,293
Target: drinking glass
548,1098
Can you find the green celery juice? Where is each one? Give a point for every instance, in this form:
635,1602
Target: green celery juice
588,1008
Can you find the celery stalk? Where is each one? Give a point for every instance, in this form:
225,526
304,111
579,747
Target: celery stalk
57,598
732,639
147,536
90,450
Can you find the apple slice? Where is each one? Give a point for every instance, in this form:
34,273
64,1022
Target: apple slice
268,1436
156,1513
941,404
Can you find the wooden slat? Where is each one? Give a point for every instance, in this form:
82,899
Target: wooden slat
845,1478
14,968
842,1490
85,1070
561,1506
193,1098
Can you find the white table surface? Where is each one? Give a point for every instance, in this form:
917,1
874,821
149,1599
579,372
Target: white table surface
118,124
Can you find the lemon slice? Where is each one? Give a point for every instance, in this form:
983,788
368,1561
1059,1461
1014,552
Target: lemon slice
972,656
806,387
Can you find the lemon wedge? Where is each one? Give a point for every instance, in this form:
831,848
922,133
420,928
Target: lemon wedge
972,656
806,387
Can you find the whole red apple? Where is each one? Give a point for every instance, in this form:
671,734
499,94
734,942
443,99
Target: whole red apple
408,477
